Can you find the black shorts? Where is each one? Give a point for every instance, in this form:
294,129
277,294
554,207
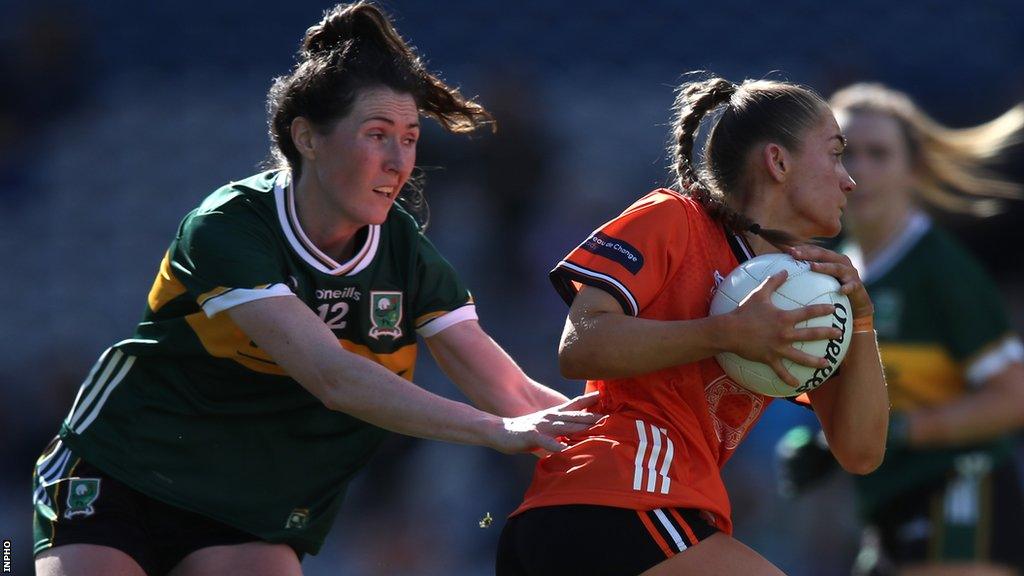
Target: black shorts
596,540
77,503
968,516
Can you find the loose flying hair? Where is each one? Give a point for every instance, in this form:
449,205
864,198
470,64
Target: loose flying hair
754,113
952,165
354,47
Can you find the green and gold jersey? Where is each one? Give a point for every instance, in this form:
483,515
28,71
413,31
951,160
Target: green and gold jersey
942,331
190,411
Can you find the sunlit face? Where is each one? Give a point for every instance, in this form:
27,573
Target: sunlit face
819,183
366,158
877,156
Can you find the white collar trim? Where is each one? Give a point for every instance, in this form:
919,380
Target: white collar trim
892,253
284,197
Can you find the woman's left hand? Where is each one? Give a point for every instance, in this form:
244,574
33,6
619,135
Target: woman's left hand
838,266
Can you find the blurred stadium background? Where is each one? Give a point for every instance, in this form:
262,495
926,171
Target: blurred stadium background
117,117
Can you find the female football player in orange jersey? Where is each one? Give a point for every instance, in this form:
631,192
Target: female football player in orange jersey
641,491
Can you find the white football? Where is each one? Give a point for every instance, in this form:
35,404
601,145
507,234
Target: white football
802,288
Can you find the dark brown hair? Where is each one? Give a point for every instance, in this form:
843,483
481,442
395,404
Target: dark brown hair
353,48
952,166
755,112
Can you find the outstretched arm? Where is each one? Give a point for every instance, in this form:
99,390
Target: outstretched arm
487,375
309,352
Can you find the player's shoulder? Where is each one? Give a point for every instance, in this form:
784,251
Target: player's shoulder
940,245
402,220
255,190
941,253
664,202
247,203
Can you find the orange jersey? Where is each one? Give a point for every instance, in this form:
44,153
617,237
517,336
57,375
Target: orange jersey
668,433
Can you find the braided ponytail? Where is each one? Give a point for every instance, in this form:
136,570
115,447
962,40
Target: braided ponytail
694,101
754,112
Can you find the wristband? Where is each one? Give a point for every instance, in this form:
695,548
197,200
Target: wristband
863,324
899,431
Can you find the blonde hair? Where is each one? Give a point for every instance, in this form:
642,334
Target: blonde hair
953,166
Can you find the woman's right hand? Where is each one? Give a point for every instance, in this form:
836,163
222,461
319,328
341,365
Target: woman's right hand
765,333
541,429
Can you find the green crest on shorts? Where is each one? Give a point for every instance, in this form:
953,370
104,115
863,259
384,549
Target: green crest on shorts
82,493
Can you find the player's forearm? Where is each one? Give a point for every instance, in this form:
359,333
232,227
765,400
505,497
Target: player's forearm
308,351
857,414
370,392
996,409
542,396
502,388
610,345
487,375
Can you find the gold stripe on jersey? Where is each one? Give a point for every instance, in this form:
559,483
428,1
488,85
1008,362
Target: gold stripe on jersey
920,375
222,338
166,286
401,361
220,291
211,294
428,317
432,315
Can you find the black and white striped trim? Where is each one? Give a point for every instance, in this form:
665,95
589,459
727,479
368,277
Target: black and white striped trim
739,246
49,470
669,528
104,377
566,271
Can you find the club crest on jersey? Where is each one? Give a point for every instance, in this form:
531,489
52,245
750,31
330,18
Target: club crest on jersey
385,314
82,493
733,410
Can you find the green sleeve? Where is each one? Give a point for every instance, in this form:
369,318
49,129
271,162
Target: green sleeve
440,298
227,257
974,322
971,308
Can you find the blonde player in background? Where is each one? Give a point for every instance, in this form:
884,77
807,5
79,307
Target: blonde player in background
947,499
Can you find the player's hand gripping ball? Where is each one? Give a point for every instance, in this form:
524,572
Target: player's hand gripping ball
802,288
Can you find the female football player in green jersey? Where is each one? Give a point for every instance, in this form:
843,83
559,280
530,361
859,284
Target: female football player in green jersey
279,341
947,499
